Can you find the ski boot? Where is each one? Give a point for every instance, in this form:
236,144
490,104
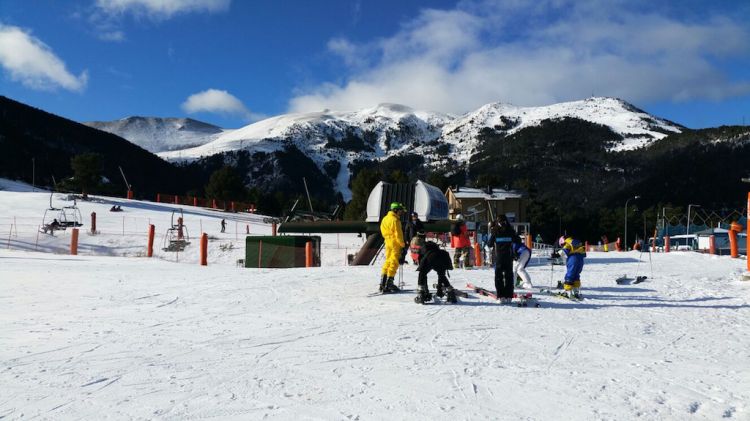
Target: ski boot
576,294
390,287
559,285
450,295
382,283
423,296
439,290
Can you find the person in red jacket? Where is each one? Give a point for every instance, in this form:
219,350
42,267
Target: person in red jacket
460,242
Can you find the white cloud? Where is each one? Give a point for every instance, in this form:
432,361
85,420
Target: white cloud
106,15
161,8
29,61
535,53
218,102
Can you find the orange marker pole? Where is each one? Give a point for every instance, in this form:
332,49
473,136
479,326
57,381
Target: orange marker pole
747,253
711,244
733,249
130,194
74,242
477,255
273,229
666,244
151,235
529,243
204,249
308,255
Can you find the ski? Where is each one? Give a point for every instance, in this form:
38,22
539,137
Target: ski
458,292
379,293
523,298
558,294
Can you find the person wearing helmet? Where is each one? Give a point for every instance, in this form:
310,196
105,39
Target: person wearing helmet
460,242
575,252
393,234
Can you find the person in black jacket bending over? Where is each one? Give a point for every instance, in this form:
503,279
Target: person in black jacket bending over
502,239
433,258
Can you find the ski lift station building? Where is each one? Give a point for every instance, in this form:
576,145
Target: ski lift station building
483,205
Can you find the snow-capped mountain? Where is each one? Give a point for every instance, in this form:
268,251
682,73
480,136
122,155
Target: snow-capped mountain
391,128
336,139
636,127
161,134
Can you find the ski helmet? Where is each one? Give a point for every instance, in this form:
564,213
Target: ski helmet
396,206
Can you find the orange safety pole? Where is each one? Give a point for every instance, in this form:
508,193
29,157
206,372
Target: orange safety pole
711,244
529,243
195,201
93,222
586,246
213,203
130,194
177,200
666,244
477,255
733,249
747,222
204,249
273,229
260,252
74,242
151,235
308,255
158,197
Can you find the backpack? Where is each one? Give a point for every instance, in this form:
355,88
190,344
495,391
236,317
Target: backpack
456,230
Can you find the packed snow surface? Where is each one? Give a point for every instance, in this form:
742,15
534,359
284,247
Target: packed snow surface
110,334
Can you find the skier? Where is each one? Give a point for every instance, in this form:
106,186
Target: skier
575,252
393,234
522,254
438,260
460,242
415,225
502,239
223,225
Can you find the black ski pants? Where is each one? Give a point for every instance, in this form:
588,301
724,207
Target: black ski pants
504,282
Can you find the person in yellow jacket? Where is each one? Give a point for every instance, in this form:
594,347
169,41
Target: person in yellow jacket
393,234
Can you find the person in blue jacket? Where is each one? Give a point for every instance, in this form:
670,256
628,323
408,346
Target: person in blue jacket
575,252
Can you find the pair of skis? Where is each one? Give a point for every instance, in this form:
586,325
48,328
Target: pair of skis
523,299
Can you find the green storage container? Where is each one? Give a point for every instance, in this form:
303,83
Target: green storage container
285,251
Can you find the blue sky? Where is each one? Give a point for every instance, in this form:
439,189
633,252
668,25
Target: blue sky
232,62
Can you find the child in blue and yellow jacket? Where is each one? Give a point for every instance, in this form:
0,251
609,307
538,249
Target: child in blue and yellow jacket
575,252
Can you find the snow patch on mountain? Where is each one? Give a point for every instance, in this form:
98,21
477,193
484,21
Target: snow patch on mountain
161,134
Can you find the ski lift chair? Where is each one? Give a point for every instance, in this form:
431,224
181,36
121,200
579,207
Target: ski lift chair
177,237
70,216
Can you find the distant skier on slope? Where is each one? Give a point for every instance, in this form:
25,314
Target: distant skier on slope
393,234
575,252
433,258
